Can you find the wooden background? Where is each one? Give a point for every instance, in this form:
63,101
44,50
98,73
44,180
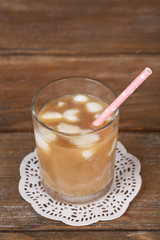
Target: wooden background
111,41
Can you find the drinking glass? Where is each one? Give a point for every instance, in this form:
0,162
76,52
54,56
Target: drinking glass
83,172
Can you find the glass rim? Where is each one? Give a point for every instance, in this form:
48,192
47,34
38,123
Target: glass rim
71,134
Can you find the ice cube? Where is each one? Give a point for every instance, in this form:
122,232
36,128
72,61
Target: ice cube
108,119
84,140
113,147
86,130
50,116
60,104
80,98
70,115
41,142
48,134
87,154
96,115
68,128
94,107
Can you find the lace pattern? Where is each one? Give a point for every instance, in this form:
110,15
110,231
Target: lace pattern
126,185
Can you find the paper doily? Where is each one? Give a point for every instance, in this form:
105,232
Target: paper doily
126,185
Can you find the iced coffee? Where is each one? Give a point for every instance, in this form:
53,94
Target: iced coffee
76,161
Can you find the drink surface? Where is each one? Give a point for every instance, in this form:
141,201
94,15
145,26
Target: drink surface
65,113
75,161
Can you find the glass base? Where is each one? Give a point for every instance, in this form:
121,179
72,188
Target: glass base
77,199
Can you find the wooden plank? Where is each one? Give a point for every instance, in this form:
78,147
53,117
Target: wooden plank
17,215
98,235
22,76
79,27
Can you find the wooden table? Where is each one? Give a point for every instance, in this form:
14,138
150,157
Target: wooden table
111,41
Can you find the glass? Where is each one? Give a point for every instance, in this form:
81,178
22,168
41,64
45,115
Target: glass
66,175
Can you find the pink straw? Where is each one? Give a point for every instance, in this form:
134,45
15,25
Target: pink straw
123,96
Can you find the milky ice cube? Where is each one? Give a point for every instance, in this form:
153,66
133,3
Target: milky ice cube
96,115
108,119
113,147
68,128
84,140
94,107
80,98
87,154
48,134
86,130
41,142
60,104
71,115
50,116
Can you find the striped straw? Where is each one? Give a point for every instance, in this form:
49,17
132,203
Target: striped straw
123,96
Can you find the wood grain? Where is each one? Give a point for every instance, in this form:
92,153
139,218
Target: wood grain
79,27
18,215
111,41
22,76
98,235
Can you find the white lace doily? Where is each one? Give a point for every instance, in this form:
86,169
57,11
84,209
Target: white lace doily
126,185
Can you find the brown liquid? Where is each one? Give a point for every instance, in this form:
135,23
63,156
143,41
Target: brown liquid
81,162
84,117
